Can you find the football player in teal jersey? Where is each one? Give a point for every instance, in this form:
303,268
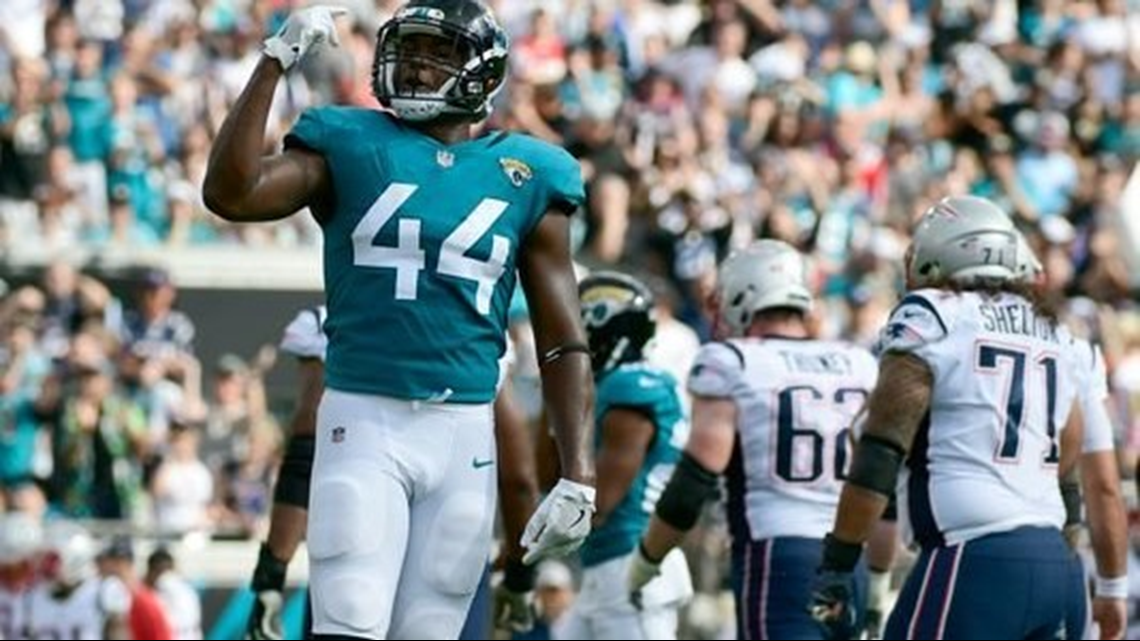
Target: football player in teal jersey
425,227
640,429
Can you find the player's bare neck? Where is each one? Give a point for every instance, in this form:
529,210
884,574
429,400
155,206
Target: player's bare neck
762,328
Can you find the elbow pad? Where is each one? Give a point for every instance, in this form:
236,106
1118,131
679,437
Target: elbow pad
876,465
892,512
689,488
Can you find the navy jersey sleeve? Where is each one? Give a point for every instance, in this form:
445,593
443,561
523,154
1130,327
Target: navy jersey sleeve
916,322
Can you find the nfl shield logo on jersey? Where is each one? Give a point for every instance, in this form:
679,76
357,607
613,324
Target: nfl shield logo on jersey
338,434
444,158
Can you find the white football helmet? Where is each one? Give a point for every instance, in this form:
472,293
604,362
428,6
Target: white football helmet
765,275
71,551
21,536
1029,267
963,239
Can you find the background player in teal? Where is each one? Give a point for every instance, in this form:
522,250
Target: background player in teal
641,429
424,228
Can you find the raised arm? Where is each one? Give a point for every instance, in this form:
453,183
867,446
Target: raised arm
241,184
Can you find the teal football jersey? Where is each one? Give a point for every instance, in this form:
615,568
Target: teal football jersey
420,249
655,393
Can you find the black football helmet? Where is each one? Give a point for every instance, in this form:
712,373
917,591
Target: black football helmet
475,65
620,318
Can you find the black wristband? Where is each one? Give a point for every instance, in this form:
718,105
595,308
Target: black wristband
839,556
645,554
518,576
269,573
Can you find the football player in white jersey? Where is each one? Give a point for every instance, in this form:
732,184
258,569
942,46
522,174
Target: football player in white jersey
305,339
1099,474
771,412
72,602
21,536
969,421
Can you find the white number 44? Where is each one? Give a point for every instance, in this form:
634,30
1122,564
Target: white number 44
407,256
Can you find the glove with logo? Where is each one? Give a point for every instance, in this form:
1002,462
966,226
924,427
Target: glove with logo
514,601
833,591
561,522
642,570
301,31
268,583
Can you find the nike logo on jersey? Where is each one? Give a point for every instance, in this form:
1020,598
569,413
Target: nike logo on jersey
646,382
479,464
910,313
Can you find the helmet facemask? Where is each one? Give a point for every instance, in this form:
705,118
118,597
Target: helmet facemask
426,68
619,317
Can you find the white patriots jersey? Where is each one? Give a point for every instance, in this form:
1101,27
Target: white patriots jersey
15,609
305,335
1005,381
1098,428
81,614
796,401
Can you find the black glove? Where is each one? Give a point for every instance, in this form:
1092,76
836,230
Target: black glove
265,618
514,599
268,584
833,591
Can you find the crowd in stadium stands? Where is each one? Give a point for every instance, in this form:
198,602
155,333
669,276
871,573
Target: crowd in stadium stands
699,124
105,416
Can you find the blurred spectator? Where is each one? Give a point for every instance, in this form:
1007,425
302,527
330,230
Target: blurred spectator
1046,171
245,485
236,406
74,301
180,599
147,617
539,57
99,441
154,326
554,594
183,487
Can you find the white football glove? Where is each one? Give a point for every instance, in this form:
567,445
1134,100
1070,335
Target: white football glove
878,588
301,31
641,572
561,523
